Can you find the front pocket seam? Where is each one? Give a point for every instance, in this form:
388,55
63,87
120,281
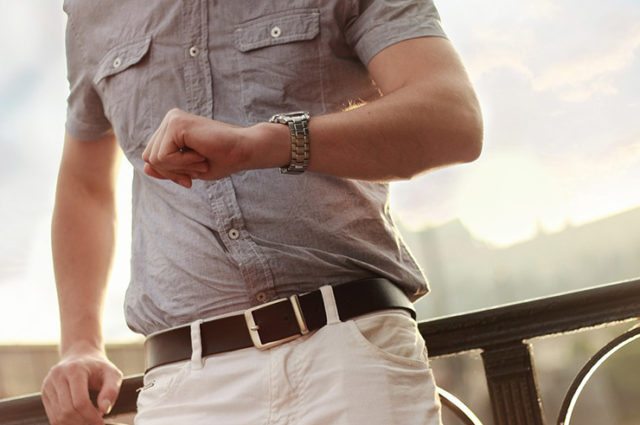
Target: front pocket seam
105,66
170,388
379,352
256,27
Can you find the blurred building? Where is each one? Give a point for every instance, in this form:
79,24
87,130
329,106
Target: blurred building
466,274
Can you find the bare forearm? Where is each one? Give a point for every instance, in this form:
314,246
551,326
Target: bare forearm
428,117
398,136
83,233
83,240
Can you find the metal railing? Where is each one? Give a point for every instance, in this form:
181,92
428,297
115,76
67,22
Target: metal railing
501,334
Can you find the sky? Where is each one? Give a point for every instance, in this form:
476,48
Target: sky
558,82
559,85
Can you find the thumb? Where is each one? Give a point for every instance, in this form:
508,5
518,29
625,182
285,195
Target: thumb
109,392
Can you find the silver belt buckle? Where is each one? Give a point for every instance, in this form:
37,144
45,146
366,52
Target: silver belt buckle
254,329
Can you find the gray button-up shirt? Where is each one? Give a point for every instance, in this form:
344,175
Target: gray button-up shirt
256,235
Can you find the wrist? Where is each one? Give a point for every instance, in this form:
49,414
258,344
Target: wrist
81,347
270,146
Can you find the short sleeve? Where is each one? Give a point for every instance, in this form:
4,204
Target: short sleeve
382,23
85,115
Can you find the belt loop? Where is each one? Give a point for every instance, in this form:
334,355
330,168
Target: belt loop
330,304
196,346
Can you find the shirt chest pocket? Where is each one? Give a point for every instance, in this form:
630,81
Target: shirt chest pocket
121,80
279,63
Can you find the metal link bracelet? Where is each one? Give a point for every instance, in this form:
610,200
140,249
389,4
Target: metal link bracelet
298,123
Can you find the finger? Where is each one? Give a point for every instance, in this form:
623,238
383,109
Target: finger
79,389
68,414
150,171
147,149
158,141
182,172
154,137
181,179
111,382
184,181
171,141
199,167
180,158
51,404
159,173
179,163
171,144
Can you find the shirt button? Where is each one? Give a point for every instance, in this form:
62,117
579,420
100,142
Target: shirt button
234,234
117,62
261,297
276,32
194,51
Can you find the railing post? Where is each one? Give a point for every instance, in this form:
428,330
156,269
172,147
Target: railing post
512,384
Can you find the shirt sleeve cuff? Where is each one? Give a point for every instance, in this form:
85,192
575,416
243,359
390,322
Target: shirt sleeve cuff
83,131
382,36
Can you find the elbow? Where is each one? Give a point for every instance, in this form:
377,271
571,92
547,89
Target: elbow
456,137
465,134
472,137
460,141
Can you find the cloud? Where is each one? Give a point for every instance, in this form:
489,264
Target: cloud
574,50
558,81
591,71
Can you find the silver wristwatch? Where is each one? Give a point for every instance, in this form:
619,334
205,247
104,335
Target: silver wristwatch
298,123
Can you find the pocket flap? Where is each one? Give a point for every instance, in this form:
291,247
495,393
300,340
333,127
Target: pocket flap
278,28
122,57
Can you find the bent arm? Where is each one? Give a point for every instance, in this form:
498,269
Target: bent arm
428,117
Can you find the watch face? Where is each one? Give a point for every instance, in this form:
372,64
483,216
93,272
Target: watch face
297,114
289,117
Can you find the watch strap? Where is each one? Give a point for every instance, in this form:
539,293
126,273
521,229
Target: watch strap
298,123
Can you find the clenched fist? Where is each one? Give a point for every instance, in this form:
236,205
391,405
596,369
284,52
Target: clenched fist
187,147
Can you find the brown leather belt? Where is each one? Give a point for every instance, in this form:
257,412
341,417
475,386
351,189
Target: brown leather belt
275,323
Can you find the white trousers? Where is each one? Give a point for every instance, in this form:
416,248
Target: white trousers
372,370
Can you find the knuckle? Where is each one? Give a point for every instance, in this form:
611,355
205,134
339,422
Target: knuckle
67,415
46,383
117,373
75,372
81,404
181,133
55,373
173,116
